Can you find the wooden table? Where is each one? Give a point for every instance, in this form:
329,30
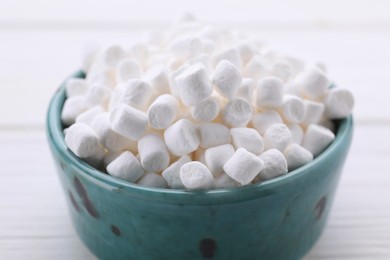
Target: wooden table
40,46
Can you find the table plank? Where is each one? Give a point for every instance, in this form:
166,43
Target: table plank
34,222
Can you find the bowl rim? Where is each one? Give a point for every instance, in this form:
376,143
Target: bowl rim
56,140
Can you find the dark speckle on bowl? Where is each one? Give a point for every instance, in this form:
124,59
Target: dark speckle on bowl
207,247
320,206
73,201
84,196
115,230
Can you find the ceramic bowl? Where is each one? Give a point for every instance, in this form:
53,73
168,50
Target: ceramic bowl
277,219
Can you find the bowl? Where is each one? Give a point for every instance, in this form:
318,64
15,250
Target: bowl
277,219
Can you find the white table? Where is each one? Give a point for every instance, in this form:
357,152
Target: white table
40,46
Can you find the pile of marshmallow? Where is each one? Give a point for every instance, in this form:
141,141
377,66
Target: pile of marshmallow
200,108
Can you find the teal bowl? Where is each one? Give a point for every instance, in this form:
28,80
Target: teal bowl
277,219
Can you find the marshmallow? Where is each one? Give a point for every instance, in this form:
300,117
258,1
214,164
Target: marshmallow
136,93
82,140
275,164
224,181
317,138
181,137
151,179
246,51
128,69
269,93
194,85
96,159
314,111
105,77
157,76
231,55
277,136
195,175
265,119
199,155
128,121
186,47
88,116
282,70
110,139
73,107
296,133
75,87
209,33
98,95
113,55
163,111
172,173
338,103
293,109
247,138
203,59
140,52
126,167
207,110
255,68
227,79
246,89
173,87
153,153
110,156
297,65
297,156
243,166
313,82
208,46
212,134
237,113
217,156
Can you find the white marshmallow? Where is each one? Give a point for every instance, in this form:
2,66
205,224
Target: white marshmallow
297,156
313,82
172,173
82,140
110,139
338,103
224,181
296,133
237,113
217,156
199,155
173,87
246,51
293,109
209,33
163,111
227,79
208,46
151,179
137,93
243,166
153,153
317,138
297,65
203,59
269,93
113,55
247,138
275,164
72,108
207,110
157,76
181,137
255,68
185,47
105,77
277,136
261,121
194,85
314,112
231,55
246,89
128,121
110,156
75,87
88,116
128,69
195,175
212,134
126,167
98,95
140,52
282,70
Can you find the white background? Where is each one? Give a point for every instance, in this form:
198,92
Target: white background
41,44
